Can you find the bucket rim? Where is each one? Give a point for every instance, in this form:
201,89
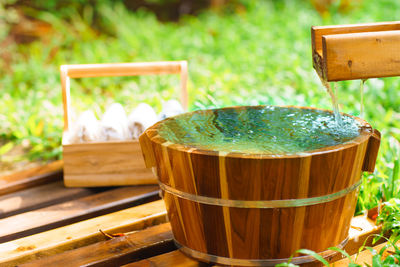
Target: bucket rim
366,131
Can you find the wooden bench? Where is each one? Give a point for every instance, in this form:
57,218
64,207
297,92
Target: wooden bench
42,223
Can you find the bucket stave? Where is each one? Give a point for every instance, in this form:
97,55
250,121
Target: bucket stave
255,209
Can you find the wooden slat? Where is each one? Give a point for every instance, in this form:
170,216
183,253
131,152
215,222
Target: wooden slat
362,228
69,212
38,197
83,233
31,177
361,232
364,257
117,251
105,164
104,253
122,69
174,258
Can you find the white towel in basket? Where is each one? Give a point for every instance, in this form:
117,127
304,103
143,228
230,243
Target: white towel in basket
115,123
170,108
86,129
142,117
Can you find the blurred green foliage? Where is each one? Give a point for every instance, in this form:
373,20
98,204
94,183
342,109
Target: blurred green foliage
7,17
253,52
389,217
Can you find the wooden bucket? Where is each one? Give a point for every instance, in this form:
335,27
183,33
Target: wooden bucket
252,210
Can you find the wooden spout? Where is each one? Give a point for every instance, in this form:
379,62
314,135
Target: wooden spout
372,151
147,150
358,51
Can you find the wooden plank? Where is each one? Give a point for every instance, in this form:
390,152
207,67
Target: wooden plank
105,164
32,222
361,55
82,234
31,177
174,258
39,197
103,253
122,69
361,231
364,257
117,251
362,228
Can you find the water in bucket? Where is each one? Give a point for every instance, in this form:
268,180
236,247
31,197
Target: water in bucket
264,129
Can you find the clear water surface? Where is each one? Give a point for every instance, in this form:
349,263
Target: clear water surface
259,130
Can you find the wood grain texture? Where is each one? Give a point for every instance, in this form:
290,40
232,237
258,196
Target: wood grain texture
105,164
122,69
372,152
111,163
103,253
32,177
318,31
174,258
117,251
39,220
362,55
362,230
82,234
361,233
359,51
364,258
252,233
146,145
39,197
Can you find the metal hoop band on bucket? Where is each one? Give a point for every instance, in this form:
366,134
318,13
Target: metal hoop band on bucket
260,204
253,262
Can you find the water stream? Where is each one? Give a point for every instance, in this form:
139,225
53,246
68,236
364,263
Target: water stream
362,82
335,105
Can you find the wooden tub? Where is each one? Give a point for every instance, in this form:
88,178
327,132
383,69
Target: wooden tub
258,209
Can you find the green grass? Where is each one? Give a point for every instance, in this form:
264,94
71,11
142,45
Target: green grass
250,54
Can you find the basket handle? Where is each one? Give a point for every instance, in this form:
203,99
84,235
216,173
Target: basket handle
119,69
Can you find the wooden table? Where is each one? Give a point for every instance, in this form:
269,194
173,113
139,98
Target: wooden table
42,223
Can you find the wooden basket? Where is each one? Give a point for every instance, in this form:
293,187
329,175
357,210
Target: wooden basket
259,209
111,163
